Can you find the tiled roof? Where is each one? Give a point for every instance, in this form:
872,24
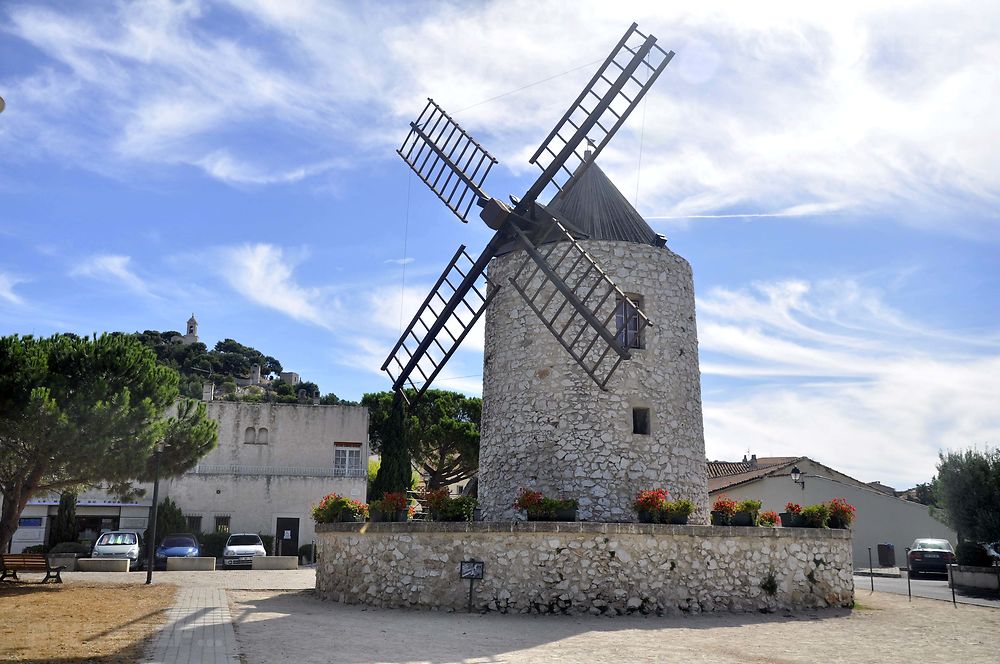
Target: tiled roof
722,474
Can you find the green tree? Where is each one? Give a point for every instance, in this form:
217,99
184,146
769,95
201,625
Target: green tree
169,519
441,430
395,470
64,528
968,490
78,411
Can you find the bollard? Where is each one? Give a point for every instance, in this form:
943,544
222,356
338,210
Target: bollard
871,569
951,582
909,592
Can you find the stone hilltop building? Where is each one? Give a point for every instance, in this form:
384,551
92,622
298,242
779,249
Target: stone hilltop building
547,426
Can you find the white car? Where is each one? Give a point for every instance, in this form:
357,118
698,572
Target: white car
241,548
119,544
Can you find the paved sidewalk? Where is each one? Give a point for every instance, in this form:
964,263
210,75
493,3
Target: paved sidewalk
199,630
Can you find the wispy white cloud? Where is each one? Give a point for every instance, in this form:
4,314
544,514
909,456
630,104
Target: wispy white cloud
7,283
113,269
264,274
768,110
831,371
399,261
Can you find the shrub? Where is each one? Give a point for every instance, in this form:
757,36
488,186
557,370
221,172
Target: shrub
212,544
458,509
35,548
393,501
334,508
841,511
972,554
680,507
815,516
268,542
650,500
769,518
749,505
725,505
71,547
306,551
793,508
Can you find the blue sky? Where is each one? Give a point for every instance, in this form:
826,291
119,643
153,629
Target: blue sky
831,173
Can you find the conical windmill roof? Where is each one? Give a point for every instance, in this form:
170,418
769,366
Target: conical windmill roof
595,207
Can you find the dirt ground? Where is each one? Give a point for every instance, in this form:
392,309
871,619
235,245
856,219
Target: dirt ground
297,627
77,622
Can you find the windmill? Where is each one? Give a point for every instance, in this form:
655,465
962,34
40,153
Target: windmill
558,279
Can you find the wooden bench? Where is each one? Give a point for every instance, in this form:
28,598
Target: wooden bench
12,563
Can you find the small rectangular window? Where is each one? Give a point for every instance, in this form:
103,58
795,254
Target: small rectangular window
222,524
193,523
29,522
628,326
640,421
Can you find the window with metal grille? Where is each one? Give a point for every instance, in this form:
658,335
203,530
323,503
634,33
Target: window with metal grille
222,524
347,459
627,328
640,421
193,523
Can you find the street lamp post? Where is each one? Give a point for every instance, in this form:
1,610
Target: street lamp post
151,540
796,474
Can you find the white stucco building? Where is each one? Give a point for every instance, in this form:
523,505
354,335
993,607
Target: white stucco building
272,464
881,517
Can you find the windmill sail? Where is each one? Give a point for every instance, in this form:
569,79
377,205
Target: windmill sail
577,302
447,159
457,300
605,103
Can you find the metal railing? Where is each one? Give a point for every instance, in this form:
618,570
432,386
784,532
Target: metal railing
289,471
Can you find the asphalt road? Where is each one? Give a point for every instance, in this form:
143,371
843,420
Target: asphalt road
928,585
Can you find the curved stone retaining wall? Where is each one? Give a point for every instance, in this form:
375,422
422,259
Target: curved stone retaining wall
599,568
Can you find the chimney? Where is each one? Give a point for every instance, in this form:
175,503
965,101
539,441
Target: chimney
255,374
208,391
753,461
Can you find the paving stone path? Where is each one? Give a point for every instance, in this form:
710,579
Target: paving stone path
199,630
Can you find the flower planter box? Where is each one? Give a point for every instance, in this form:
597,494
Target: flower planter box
721,519
67,560
790,520
743,519
975,578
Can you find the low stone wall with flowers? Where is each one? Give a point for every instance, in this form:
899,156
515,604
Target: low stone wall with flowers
597,568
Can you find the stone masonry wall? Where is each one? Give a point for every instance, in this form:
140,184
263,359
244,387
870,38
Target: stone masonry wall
596,568
547,426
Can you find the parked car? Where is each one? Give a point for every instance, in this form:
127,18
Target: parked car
120,544
993,551
178,545
241,548
930,555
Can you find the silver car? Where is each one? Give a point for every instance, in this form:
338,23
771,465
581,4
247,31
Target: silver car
120,544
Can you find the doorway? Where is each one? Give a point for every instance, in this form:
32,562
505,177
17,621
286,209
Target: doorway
286,536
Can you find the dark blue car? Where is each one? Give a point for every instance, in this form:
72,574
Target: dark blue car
180,545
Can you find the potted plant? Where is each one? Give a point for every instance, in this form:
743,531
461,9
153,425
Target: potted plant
457,509
815,516
769,519
723,510
649,503
841,513
746,513
435,501
678,511
334,508
393,506
539,508
792,516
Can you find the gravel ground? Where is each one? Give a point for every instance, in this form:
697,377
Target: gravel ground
297,627
228,579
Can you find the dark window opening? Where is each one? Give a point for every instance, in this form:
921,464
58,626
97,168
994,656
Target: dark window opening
628,326
193,523
640,421
222,524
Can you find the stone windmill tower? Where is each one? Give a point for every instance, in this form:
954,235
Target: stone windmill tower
590,380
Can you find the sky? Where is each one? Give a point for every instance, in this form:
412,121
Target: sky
832,174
